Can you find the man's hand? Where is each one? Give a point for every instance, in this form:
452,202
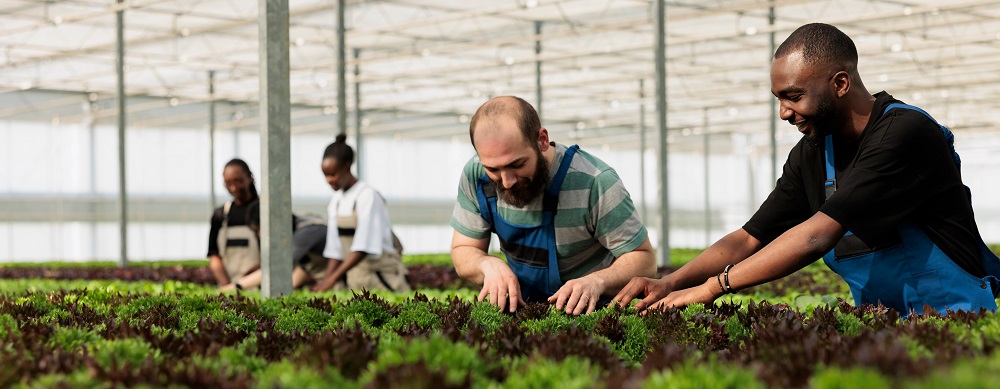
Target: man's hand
579,295
705,293
500,283
652,288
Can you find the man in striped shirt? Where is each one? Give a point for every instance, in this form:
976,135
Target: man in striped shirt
565,222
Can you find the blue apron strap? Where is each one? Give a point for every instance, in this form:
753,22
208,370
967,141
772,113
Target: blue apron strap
831,174
551,200
949,137
551,204
486,195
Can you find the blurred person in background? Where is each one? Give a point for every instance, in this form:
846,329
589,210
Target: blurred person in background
233,248
363,251
874,187
565,222
308,241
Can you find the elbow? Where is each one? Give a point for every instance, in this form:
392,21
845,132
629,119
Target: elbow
820,244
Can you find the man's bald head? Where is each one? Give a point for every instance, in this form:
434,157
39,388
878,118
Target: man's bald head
493,114
822,45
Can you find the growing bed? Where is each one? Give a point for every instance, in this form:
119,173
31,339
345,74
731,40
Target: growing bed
797,332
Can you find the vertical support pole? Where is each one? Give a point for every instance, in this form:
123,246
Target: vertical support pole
660,63
642,151
341,69
706,138
275,136
774,114
538,68
359,162
92,164
122,192
211,139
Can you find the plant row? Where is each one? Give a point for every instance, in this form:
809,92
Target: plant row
108,338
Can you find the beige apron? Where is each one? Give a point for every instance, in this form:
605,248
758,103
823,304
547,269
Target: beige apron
238,260
386,272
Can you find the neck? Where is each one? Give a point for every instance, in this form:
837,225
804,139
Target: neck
350,183
859,109
549,155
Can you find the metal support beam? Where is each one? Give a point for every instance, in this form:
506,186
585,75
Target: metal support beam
706,137
211,139
660,63
538,68
341,69
91,122
275,150
642,151
774,114
122,192
357,114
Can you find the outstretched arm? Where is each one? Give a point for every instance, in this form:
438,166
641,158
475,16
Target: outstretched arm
732,248
580,295
790,252
474,264
334,272
218,270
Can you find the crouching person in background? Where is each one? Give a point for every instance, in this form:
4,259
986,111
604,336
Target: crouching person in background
308,240
233,247
363,251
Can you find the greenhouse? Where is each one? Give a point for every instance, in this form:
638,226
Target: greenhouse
120,119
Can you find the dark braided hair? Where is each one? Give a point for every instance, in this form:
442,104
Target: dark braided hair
340,151
246,169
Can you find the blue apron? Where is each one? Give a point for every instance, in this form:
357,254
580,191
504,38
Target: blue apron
530,250
915,272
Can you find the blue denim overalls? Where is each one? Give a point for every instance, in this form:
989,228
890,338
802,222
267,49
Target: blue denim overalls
530,250
915,272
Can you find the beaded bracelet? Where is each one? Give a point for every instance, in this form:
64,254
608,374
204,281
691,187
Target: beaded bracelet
725,276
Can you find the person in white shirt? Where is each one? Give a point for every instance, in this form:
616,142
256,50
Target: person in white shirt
364,252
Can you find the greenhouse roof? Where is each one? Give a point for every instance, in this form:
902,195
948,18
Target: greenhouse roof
424,66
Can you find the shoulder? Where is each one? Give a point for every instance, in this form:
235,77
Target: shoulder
473,168
587,170
587,163
217,215
897,121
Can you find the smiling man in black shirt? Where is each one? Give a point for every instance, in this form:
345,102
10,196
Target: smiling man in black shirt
874,184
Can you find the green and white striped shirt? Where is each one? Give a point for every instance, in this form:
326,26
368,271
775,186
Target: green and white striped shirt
595,224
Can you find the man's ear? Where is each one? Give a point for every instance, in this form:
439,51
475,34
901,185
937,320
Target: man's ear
543,140
841,83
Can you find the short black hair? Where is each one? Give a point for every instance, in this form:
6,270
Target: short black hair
246,169
523,113
821,43
340,151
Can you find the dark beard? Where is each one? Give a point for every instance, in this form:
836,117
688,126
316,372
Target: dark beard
822,120
523,191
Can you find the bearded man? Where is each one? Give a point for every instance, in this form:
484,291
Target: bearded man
565,222
874,184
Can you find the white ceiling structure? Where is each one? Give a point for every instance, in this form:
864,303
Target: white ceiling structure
426,65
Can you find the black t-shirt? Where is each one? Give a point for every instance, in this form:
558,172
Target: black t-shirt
899,170
237,217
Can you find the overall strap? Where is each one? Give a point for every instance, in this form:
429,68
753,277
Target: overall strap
486,195
831,174
551,200
225,212
949,137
